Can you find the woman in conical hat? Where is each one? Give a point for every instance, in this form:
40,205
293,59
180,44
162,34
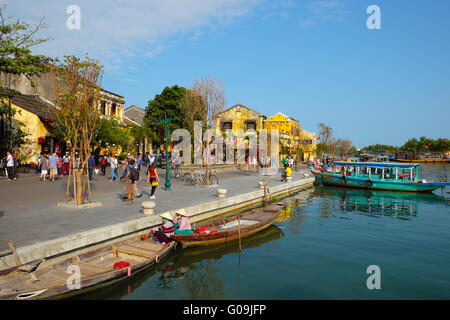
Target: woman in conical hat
182,224
164,232
166,215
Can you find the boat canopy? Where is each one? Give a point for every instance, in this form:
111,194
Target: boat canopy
378,165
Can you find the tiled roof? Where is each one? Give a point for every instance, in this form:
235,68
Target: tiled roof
34,104
135,114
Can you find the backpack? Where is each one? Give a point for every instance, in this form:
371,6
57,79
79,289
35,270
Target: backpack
134,174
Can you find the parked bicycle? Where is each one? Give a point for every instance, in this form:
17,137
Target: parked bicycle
200,178
175,170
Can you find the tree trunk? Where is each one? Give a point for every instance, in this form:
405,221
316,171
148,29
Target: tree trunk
68,183
78,194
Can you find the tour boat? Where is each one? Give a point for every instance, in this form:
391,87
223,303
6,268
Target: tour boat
95,268
374,175
232,228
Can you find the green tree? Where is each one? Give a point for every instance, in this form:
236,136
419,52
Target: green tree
426,144
325,134
110,131
16,38
381,147
171,102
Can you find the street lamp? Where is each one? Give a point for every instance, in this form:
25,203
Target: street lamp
166,121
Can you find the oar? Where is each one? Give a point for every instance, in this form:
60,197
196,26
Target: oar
239,224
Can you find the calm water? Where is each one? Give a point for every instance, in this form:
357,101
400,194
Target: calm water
319,248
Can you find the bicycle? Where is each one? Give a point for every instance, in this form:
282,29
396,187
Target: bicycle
213,180
176,170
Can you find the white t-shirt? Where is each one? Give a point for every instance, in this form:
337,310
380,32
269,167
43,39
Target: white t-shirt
10,162
113,162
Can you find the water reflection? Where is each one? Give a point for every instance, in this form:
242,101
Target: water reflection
400,205
196,266
192,270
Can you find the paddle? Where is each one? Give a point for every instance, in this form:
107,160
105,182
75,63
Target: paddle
239,224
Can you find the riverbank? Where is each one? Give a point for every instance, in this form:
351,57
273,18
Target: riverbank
42,229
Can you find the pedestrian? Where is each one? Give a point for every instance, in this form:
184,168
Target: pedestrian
53,162
152,158
139,162
135,175
44,166
10,166
66,163
114,161
129,185
152,176
91,165
103,164
254,163
38,165
60,165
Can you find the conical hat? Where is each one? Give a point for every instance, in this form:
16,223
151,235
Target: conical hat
181,212
166,215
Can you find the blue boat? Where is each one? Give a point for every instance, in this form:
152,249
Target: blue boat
376,175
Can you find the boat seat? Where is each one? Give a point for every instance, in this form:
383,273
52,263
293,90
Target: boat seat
234,223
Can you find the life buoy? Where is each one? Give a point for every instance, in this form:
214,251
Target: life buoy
368,183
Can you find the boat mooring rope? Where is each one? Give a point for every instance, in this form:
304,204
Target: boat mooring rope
29,295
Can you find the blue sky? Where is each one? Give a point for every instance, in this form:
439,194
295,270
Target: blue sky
313,60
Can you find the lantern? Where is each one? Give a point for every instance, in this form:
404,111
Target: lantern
40,140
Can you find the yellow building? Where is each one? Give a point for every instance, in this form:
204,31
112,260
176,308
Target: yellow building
292,137
289,130
240,119
308,144
33,116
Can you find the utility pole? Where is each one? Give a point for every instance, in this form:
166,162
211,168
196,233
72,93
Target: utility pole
166,121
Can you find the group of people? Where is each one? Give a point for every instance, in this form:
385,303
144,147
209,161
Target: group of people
131,175
52,165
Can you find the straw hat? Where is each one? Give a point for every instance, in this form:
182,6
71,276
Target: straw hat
166,215
181,212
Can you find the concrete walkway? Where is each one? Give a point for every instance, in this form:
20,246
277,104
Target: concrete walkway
29,213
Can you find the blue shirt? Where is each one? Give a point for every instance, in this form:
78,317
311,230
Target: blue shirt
91,162
53,162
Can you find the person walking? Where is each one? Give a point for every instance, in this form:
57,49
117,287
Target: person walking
53,161
10,166
60,165
66,163
132,162
129,185
114,161
91,165
44,166
152,176
103,164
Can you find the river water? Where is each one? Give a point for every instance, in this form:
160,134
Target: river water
320,247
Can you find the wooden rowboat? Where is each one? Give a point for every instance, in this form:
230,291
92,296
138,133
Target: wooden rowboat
233,228
96,268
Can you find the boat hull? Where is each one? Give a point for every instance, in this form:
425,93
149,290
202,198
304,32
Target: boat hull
50,282
337,180
424,161
267,216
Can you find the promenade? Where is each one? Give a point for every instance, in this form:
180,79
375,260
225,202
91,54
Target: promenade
29,213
